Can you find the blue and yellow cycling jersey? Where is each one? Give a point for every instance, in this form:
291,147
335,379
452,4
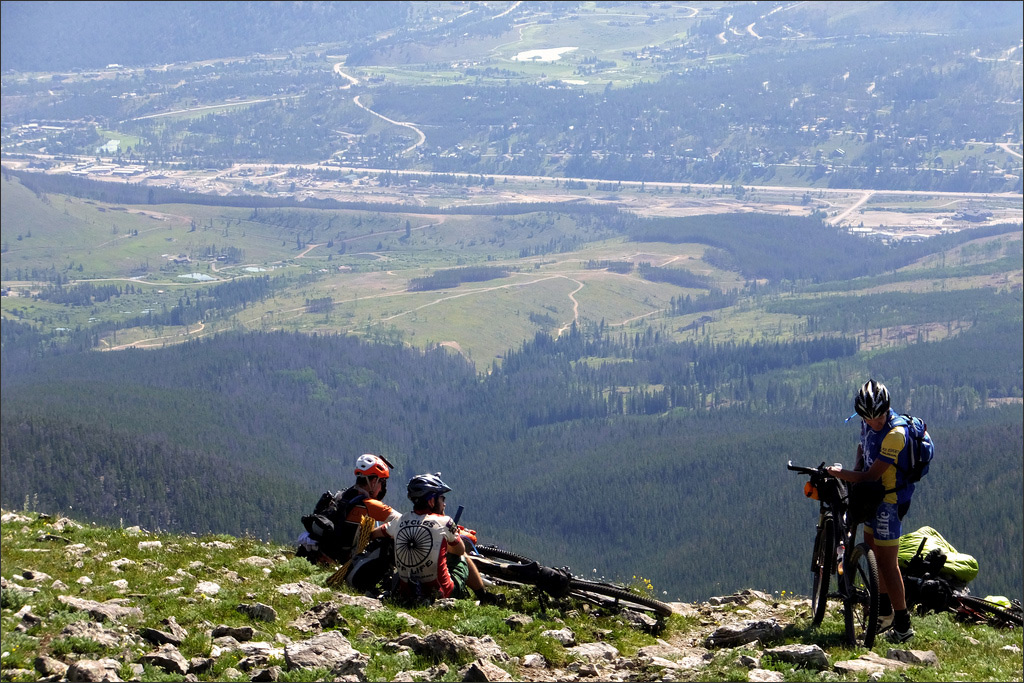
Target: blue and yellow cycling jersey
890,444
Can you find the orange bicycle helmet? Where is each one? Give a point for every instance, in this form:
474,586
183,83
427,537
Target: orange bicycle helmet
370,465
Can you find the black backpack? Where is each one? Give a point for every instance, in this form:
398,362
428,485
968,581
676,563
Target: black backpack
328,524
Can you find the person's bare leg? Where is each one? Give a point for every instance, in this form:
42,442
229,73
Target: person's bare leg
473,581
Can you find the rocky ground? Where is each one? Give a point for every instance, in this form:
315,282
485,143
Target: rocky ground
334,631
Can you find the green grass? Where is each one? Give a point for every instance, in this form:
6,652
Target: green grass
124,140
966,652
363,261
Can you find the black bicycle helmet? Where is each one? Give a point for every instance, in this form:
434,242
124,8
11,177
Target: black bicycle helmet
427,485
872,400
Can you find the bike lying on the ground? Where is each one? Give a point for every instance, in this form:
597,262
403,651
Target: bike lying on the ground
929,589
507,567
372,570
842,569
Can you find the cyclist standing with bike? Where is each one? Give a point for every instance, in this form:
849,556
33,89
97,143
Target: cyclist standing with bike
883,446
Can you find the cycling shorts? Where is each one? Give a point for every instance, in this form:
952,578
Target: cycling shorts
458,569
887,524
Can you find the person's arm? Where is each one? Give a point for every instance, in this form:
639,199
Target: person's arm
384,514
873,473
456,546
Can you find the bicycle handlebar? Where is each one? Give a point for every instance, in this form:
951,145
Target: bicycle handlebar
820,469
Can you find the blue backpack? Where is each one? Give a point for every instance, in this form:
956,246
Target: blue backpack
922,449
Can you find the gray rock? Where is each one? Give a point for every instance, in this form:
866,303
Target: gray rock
303,589
564,635
110,610
222,644
167,658
409,619
92,631
765,676
914,657
321,616
684,608
239,633
35,576
445,645
485,648
231,673
641,621
158,637
482,670
63,524
724,600
367,603
175,629
534,661
199,665
48,666
258,611
14,518
517,621
748,662
94,670
661,649
255,561
331,650
226,644
119,564
744,632
42,538
868,663
26,619
269,674
807,656
595,651
253,662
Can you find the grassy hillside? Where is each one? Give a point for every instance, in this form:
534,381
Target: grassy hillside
349,271
187,590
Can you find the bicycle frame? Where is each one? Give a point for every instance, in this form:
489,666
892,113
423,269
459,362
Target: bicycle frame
836,553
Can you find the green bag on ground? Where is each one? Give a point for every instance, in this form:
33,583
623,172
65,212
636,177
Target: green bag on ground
958,565
1000,600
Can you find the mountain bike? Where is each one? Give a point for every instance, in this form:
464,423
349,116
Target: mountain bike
930,590
373,568
851,577
511,568
508,567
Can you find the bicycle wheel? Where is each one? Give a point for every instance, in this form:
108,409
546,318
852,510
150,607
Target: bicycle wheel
497,553
823,565
606,594
989,612
860,600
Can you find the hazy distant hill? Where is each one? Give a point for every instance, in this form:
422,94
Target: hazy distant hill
43,36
